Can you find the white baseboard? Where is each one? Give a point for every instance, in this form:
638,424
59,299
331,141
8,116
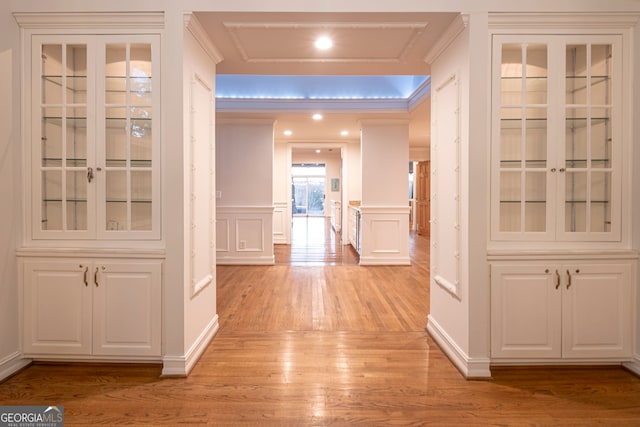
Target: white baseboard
634,365
12,364
259,260
470,368
380,260
181,366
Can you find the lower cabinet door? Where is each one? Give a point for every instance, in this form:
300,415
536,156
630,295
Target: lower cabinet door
525,311
56,307
127,308
596,310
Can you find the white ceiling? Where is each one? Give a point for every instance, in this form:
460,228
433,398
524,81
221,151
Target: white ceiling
367,44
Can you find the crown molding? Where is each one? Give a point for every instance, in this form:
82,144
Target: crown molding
81,20
194,26
419,95
453,30
297,105
564,21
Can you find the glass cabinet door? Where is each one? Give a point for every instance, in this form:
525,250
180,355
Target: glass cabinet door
128,151
589,158
95,149
522,138
556,138
64,172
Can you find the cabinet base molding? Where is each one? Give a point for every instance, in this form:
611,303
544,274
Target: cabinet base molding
470,368
384,260
181,366
634,365
12,364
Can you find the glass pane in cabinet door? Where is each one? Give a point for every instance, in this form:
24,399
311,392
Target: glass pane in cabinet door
51,138
511,75
140,74
576,75
601,63
76,196
576,134
600,208
576,201
116,74
51,200
535,201
601,139
511,137
51,74
116,137
141,200
536,138
76,137
510,201
116,203
536,74
141,137
76,74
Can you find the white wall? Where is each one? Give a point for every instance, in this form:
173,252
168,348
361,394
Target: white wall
384,146
10,208
200,315
244,182
449,318
353,172
281,193
636,185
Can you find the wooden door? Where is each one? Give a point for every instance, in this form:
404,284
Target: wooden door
423,205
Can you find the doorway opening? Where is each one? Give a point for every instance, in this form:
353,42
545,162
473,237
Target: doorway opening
307,189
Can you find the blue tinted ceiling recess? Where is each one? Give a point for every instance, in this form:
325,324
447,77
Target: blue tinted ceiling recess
234,86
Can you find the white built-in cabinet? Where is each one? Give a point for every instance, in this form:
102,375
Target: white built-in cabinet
91,307
564,309
92,255
563,275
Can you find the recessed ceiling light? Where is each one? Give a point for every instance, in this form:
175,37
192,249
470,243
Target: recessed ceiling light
317,116
324,43
344,133
318,151
288,132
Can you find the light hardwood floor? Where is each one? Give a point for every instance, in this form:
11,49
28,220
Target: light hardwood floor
327,345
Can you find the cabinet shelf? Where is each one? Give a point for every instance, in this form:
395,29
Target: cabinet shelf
85,201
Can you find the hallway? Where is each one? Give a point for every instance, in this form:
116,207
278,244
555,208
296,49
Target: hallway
327,345
314,242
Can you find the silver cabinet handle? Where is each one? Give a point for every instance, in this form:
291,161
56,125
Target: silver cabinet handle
89,174
86,270
95,278
568,279
557,279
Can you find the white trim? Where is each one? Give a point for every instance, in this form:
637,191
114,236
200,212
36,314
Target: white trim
194,26
536,255
419,95
634,365
245,209
12,364
379,260
454,30
389,210
248,260
564,21
61,252
90,21
469,367
181,366
253,105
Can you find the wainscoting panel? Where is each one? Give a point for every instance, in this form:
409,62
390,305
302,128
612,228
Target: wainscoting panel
385,235
281,225
246,235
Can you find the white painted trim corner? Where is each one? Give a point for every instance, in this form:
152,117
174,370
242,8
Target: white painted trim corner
470,368
11,364
181,366
634,365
